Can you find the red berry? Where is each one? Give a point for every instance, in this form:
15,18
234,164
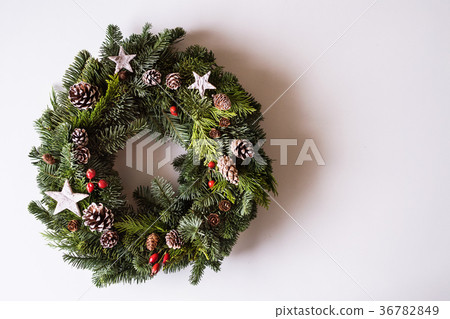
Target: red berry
211,165
90,187
90,173
102,183
166,258
211,184
173,110
155,269
153,258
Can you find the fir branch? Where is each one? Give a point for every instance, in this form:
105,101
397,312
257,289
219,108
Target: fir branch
113,139
73,73
189,227
163,192
197,270
112,42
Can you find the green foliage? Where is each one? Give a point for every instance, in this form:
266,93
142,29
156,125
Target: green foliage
190,227
113,138
110,46
74,72
125,108
163,191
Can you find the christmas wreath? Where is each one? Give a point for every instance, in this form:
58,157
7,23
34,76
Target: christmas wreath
138,83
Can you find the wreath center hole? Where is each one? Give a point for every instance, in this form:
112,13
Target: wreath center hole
143,159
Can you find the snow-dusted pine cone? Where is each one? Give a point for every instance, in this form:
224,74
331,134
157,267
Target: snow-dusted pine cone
98,217
109,239
151,77
228,169
152,241
80,137
222,101
82,154
173,81
242,148
173,239
83,95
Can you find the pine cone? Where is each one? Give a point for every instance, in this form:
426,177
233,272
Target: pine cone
224,205
173,81
83,95
228,169
109,239
72,225
173,239
222,101
224,122
82,154
98,217
214,133
242,148
49,159
213,220
151,77
80,137
123,75
152,241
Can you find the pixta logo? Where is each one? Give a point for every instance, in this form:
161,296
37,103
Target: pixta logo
308,148
141,148
148,142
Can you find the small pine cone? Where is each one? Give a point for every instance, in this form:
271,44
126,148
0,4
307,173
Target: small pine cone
83,95
214,133
224,205
228,169
49,159
72,225
213,220
173,81
222,101
82,154
152,241
224,122
173,239
151,77
123,75
80,137
98,217
242,148
109,239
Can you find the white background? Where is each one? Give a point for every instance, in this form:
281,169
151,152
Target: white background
373,93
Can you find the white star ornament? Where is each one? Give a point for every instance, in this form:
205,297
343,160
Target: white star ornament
67,199
122,60
201,83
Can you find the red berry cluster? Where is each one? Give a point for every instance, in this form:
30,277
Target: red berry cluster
211,165
154,260
90,174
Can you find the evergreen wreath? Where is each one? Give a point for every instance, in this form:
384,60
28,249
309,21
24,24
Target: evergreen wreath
140,83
